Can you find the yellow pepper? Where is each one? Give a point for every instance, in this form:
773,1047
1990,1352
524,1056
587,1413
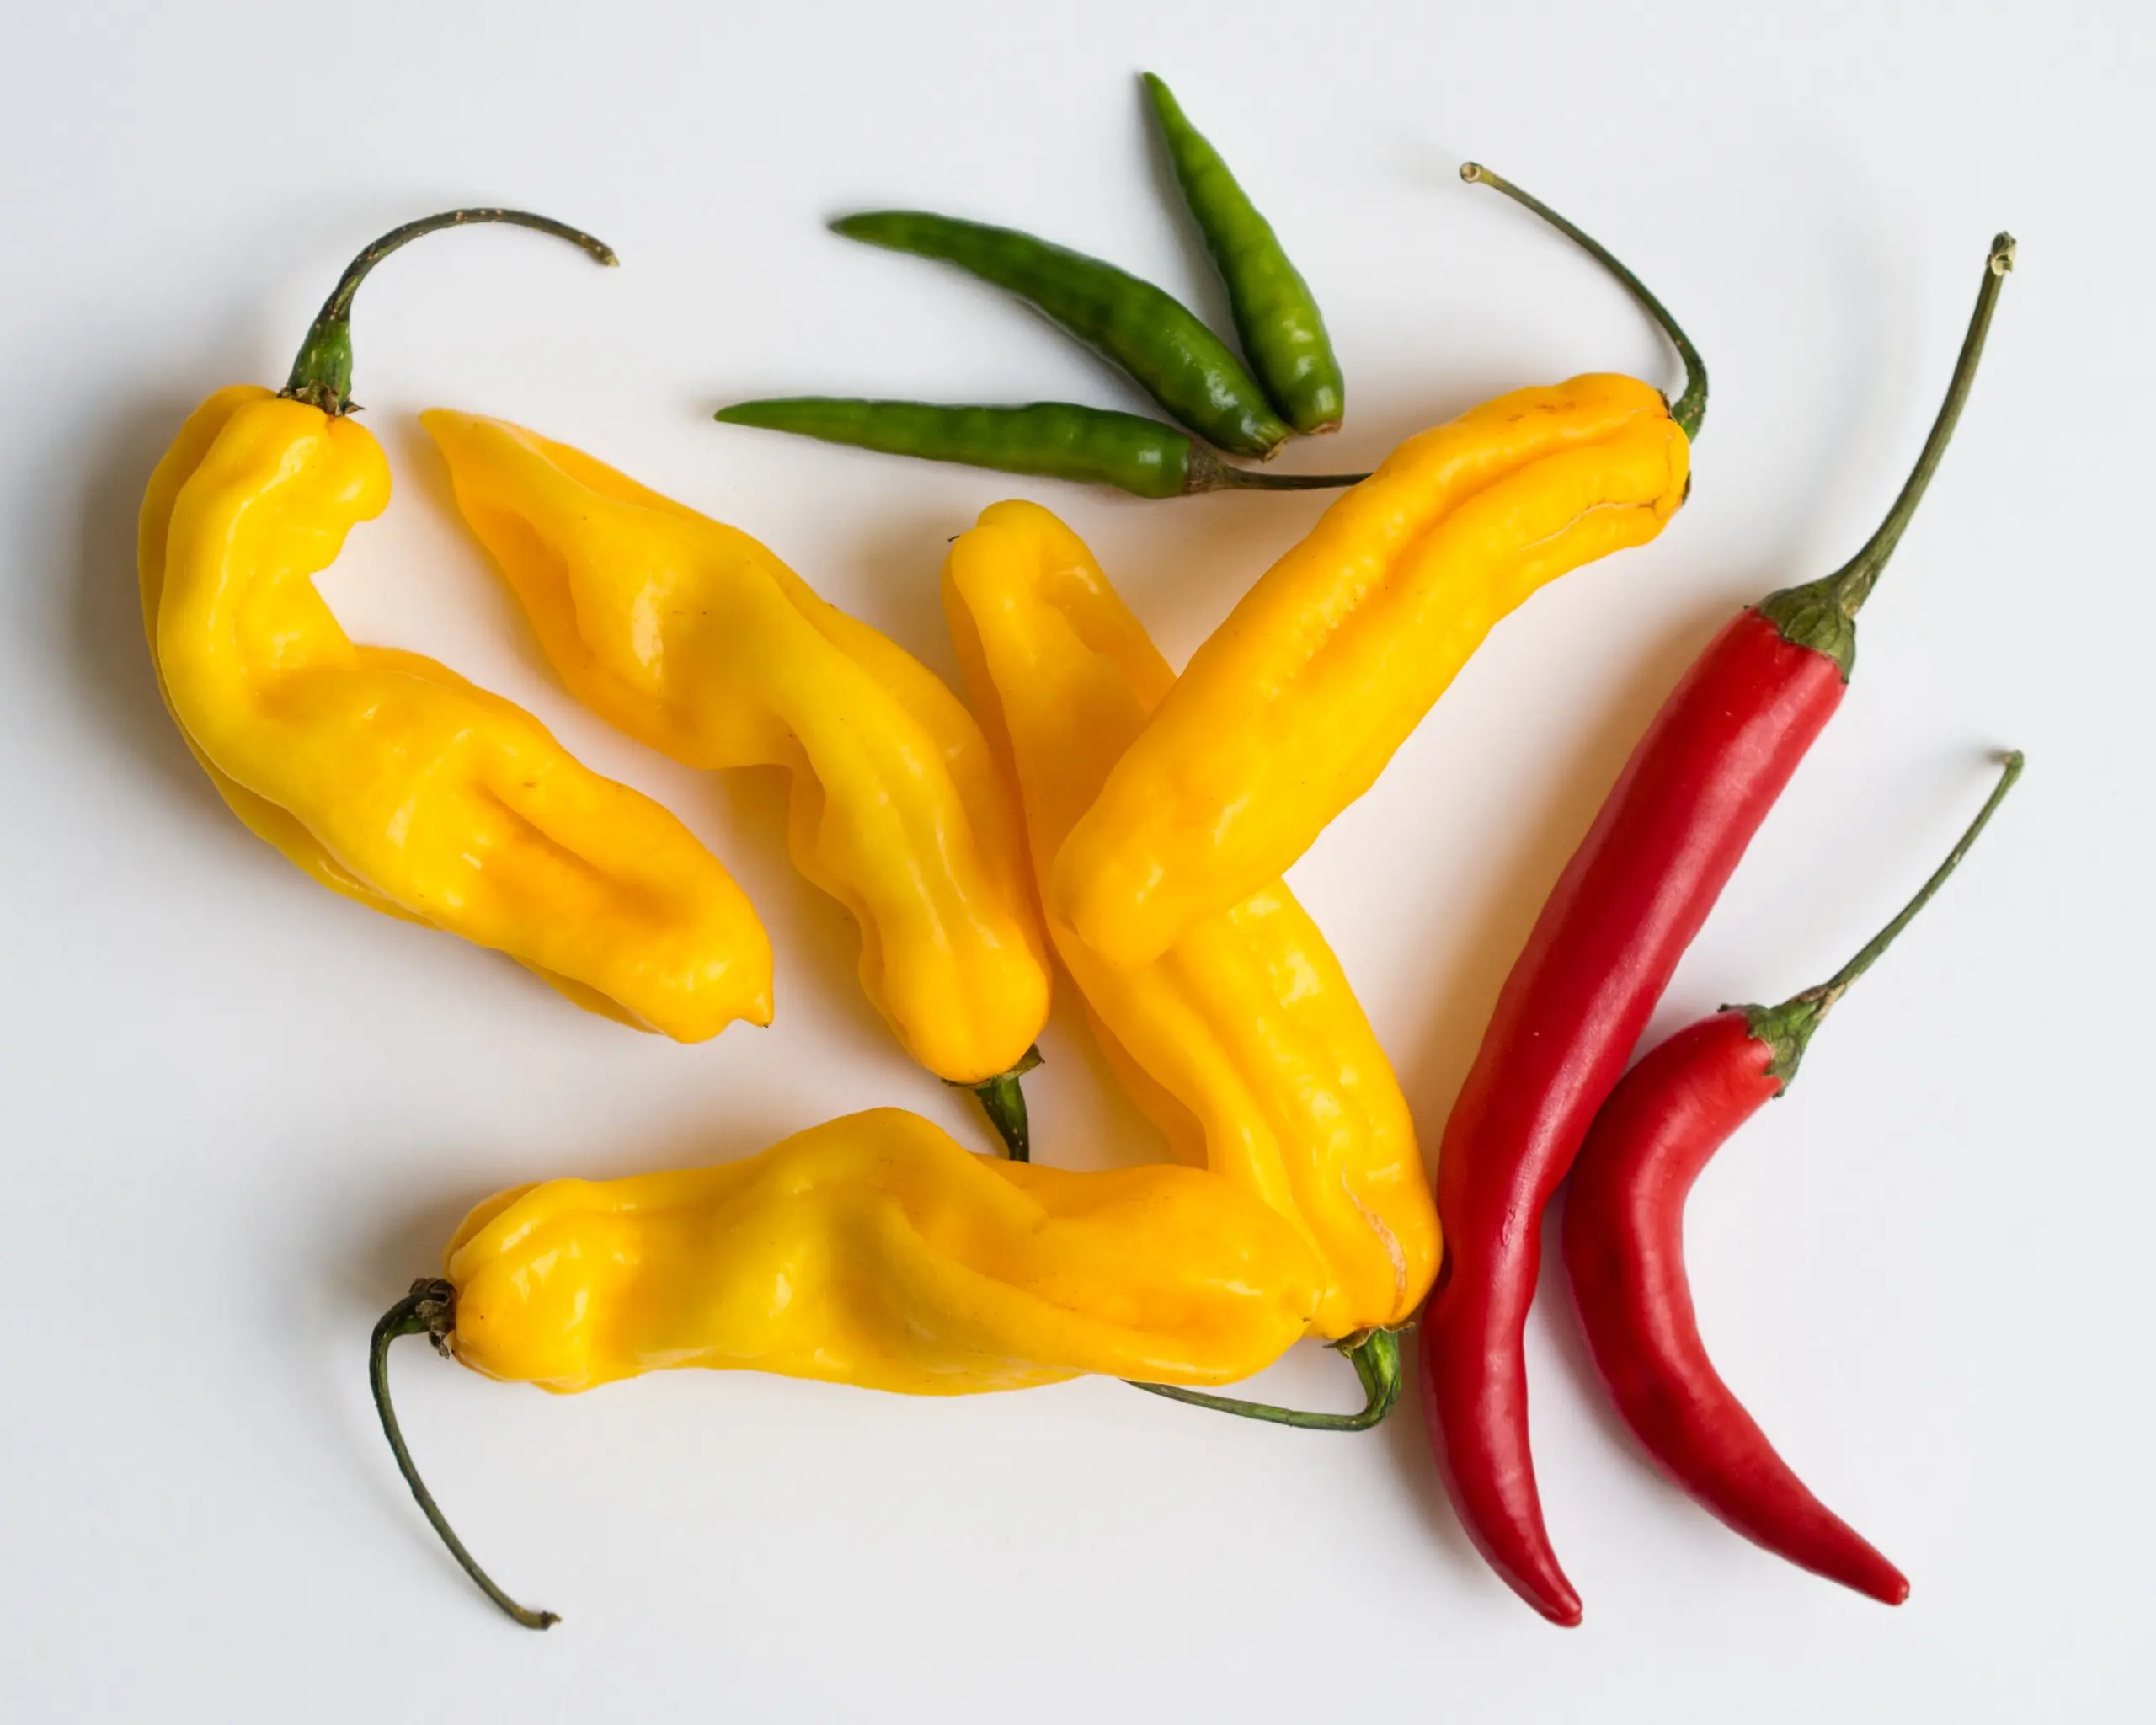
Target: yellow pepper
695,639
1243,1041
384,774
1291,710
873,1250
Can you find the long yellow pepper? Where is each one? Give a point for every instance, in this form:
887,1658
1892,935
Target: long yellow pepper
873,1250
1243,1041
694,639
384,774
1292,707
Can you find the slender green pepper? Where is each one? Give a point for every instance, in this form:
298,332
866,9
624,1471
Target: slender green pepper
1057,440
1276,315
1180,363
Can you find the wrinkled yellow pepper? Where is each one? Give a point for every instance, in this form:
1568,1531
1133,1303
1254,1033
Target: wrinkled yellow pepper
1289,711
873,1250
694,639
1243,1041
1292,707
384,774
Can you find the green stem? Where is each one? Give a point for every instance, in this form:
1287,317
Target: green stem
1822,614
1787,1029
1376,1356
431,1310
1690,408
1207,471
322,375
1005,1104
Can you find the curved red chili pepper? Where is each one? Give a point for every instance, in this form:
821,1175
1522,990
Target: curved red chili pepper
1625,1253
1627,905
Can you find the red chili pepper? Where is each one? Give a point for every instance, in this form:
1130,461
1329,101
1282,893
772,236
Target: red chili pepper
1634,895
1624,1250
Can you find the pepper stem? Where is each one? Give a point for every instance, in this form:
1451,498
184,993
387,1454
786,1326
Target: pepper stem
1787,1029
1005,1104
1376,1356
431,1310
1690,408
1207,471
1822,614
322,375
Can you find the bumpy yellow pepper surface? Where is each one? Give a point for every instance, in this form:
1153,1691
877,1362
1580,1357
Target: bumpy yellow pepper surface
695,639
384,774
1291,708
873,1250
1243,1042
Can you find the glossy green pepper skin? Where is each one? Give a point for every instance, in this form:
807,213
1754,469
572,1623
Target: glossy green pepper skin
1283,332
1057,440
1160,342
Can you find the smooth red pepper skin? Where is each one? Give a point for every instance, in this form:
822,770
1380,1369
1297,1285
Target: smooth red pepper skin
1697,787
1625,1253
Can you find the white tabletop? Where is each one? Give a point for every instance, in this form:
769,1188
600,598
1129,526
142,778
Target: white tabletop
239,1114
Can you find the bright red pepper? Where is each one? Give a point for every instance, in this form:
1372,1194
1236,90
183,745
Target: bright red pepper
1625,1253
1628,903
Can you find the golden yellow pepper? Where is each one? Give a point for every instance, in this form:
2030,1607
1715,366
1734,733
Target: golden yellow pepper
384,774
873,1250
1292,707
1243,1041
694,639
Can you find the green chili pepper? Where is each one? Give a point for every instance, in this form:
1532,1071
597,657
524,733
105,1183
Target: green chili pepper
1276,316
1180,363
1057,440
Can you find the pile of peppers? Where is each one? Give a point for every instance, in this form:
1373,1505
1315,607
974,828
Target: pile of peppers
1083,809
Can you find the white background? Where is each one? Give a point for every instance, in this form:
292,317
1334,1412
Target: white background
238,1114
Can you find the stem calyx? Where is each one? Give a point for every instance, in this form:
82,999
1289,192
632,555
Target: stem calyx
1788,1028
1003,1102
1690,409
1822,614
1207,471
322,375
431,1310
1374,1354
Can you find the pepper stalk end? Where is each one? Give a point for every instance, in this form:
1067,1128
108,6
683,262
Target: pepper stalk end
1207,471
430,1309
1822,614
322,374
1690,409
1374,1354
1788,1028
1003,1102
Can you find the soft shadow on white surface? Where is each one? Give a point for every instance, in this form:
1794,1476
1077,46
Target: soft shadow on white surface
241,1114
107,650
